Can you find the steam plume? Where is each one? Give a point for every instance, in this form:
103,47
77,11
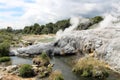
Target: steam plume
112,19
75,21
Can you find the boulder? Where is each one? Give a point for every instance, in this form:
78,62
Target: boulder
34,49
11,68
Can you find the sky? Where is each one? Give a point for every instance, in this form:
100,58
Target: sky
20,13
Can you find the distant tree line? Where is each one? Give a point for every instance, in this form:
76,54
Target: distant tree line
47,28
54,27
51,28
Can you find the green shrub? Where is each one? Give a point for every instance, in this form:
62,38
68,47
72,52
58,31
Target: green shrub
44,56
4,48
26,71
96,19
4,59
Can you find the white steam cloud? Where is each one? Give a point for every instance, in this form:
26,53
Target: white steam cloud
112,19
75,21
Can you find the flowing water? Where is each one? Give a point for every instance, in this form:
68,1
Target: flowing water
59,65
63,64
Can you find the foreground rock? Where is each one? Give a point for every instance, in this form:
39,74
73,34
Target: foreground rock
33,50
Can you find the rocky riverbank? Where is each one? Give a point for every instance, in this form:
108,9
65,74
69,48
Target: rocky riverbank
9,73
40,69
103,43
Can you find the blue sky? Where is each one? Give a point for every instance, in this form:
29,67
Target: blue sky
18,13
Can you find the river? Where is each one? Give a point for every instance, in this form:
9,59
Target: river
62,64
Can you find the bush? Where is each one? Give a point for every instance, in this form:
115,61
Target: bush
90,67
96,19
4,59
4,49
44,56
26,71
56,75
42,60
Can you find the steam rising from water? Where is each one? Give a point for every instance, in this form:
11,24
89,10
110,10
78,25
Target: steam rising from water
75,21
112,19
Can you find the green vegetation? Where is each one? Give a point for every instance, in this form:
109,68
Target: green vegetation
90,67
56,75
54,27
49,28
96,19
26,71
5,40
4,59
5,36
42,60
44,56
4,48
90,24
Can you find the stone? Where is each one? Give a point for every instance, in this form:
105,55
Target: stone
1,77
50,65
3,69
11,68
105,43
41,75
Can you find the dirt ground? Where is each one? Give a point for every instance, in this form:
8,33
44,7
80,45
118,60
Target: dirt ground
8,76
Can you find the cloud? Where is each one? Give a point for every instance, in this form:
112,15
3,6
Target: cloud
18,13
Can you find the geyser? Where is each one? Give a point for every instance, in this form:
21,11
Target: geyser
74,21
103,41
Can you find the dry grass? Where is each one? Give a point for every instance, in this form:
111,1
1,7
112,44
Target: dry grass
42,60
37,37
56,75
89,61
13,77
89,67
8,76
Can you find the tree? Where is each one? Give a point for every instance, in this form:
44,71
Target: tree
4,49
96,19
49,27
9,29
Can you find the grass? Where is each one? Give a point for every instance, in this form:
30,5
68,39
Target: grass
56,75
91,67
39,38
4,59
26,71
46,40
44,56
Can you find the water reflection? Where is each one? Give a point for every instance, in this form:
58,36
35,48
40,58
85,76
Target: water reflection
20,60
61,63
